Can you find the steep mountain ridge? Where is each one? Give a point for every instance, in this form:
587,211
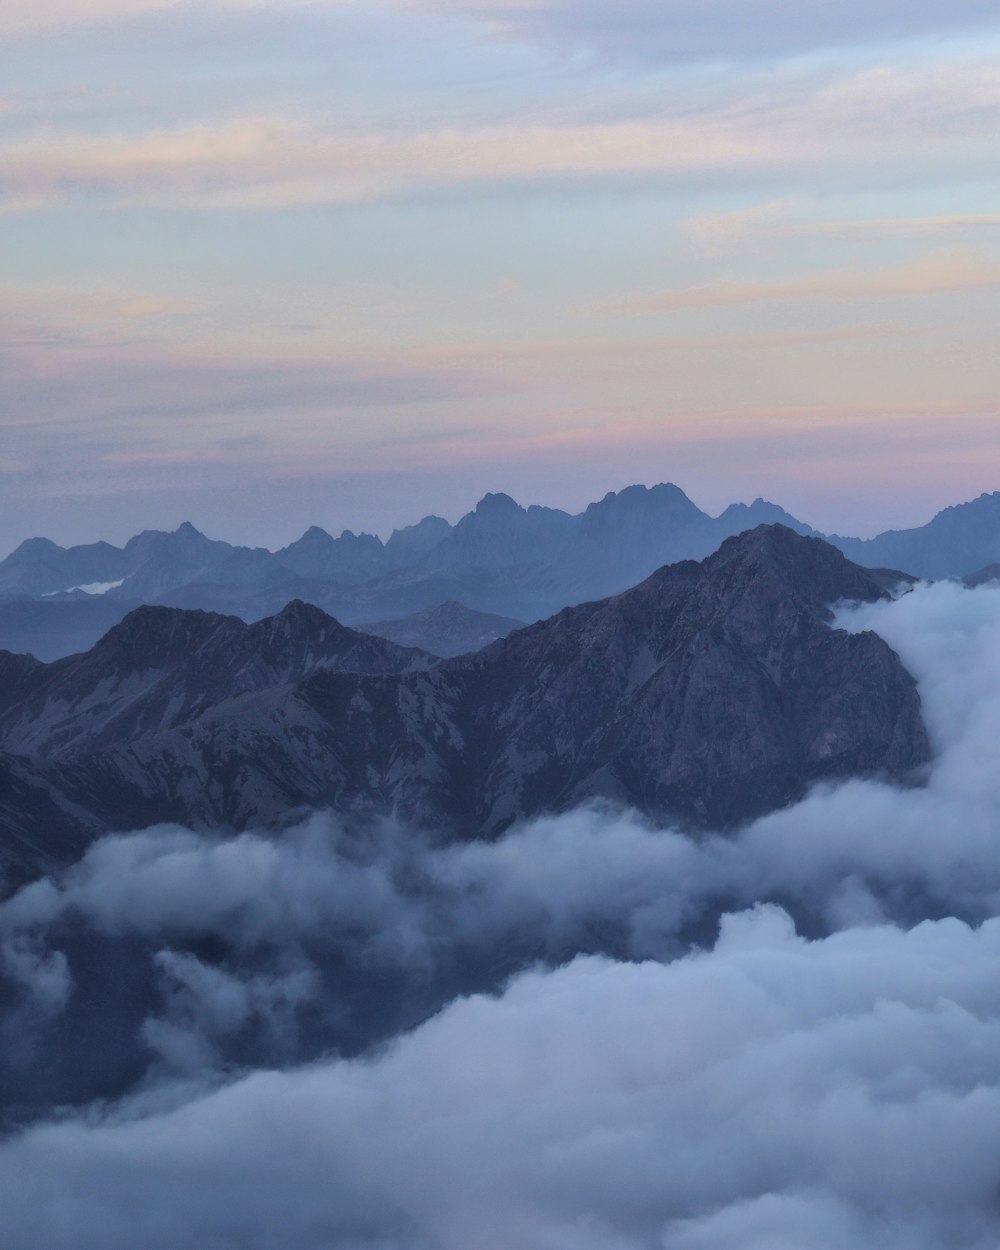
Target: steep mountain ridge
706,695
164,666
500,534
349,558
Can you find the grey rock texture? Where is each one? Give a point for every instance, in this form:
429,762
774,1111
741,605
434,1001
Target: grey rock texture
706,695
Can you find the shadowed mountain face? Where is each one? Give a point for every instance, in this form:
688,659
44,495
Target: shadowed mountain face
162,668
706,695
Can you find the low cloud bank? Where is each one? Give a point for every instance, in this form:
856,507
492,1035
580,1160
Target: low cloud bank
771,1092
672,1065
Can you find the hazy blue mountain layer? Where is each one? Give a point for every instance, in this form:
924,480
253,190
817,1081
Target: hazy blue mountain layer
500,560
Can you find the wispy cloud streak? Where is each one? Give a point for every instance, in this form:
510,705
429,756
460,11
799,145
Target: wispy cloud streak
940,274
712,30
929,120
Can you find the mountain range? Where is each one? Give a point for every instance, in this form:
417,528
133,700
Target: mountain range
501,560
706,695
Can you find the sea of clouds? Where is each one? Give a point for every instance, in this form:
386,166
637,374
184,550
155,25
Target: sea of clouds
590,1035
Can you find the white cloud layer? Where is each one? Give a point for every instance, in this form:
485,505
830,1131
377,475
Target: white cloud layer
773,1092
768,1091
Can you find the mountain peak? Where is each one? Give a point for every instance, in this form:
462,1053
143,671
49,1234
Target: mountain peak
644,513
363,539
773,562
773,543
34,548
298,611
186,533
637,496
987,502
497,505
433,525
710,693
415,540
664,490
151,634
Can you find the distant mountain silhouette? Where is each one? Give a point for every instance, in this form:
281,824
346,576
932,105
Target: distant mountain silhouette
501,560
958,541
982,577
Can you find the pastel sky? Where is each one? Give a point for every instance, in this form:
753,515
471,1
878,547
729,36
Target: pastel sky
269,263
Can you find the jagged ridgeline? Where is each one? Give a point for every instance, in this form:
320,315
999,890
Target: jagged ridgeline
706,695
447,589
450,588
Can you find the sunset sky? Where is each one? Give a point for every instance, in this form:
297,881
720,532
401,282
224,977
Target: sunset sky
269,263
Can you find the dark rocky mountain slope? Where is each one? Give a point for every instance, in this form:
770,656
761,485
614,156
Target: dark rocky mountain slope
706,695
161,668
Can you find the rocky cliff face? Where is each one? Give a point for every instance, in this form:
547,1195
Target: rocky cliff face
706,695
